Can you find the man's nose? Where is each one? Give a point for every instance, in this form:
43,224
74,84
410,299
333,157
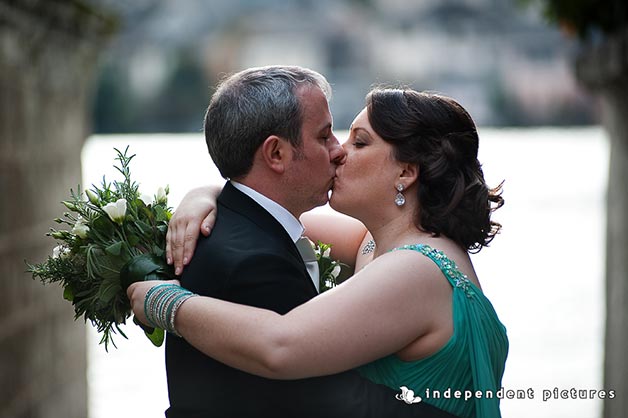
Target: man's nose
337,153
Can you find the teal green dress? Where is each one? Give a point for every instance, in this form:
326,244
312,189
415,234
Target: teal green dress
471,362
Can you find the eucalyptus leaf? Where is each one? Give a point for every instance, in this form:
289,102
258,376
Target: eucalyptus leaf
107,292
161,214
159,252
147,213
104,226
68,294
115,248
133,240
105,265
141,266
155,335
144,228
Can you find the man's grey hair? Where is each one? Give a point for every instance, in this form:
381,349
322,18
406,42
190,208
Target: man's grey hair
251,105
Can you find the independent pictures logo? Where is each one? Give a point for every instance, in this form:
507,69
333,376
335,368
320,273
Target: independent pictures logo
408,396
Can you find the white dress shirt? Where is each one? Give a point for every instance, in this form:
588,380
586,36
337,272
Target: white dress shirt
292,225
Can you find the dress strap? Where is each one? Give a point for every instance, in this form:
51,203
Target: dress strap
455,277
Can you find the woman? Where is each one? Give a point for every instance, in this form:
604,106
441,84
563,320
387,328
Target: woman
414,314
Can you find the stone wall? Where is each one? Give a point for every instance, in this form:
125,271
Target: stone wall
48,55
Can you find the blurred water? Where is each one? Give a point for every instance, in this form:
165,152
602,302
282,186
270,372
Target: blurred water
544,273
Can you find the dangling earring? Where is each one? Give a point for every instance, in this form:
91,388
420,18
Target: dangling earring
400,199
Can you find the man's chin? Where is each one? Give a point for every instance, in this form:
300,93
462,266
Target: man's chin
333,203
324,201
321,202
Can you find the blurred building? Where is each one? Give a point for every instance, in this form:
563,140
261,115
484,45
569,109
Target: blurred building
500,60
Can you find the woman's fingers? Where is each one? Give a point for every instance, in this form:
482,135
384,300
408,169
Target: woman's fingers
208,223
189,242
196,213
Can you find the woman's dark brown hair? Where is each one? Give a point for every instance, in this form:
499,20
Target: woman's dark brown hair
438,135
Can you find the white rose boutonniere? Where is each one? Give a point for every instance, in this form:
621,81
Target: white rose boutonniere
329,269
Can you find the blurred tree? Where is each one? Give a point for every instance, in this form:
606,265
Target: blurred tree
175,104
353,42
113,111
587,18
180,105
602,65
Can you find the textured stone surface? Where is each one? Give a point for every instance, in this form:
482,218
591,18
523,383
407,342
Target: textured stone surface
48,53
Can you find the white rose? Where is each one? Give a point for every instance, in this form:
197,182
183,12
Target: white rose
80,228
161,196
327,252
58,251
116,211
93,197
146,199
335,272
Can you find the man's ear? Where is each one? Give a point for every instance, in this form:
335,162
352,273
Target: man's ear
275,152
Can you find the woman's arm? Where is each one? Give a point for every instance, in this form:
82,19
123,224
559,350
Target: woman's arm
345,234
197,212
387,306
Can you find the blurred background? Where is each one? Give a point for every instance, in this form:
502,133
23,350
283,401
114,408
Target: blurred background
546,82
500,59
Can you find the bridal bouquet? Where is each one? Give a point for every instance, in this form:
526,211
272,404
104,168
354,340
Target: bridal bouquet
113,236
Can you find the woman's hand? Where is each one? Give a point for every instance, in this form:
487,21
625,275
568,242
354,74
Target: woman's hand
137,294
196,212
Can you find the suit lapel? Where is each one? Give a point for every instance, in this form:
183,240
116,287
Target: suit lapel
247,207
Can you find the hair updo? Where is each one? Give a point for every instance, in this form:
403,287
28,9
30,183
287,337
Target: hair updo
438,135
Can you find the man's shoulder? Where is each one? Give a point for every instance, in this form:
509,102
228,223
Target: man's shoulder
241,260
238,231
235,238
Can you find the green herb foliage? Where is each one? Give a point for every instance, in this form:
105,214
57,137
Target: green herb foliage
101,251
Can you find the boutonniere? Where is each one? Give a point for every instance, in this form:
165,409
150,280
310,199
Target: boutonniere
329,269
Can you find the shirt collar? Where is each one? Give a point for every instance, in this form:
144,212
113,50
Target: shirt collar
293,227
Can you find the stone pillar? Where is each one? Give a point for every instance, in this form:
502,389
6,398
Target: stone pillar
604,69
48,53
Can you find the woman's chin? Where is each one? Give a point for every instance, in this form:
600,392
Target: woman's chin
336,204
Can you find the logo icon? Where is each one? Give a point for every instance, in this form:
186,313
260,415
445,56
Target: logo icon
407,395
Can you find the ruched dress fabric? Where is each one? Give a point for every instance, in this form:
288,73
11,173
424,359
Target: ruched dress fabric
470,365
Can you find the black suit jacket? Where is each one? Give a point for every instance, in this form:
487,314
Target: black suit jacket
250,259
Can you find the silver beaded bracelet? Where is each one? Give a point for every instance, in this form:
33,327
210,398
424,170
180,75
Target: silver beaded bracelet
162,303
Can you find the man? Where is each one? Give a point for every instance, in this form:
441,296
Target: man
269,131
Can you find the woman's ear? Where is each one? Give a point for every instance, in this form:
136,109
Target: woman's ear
275,152
409,174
